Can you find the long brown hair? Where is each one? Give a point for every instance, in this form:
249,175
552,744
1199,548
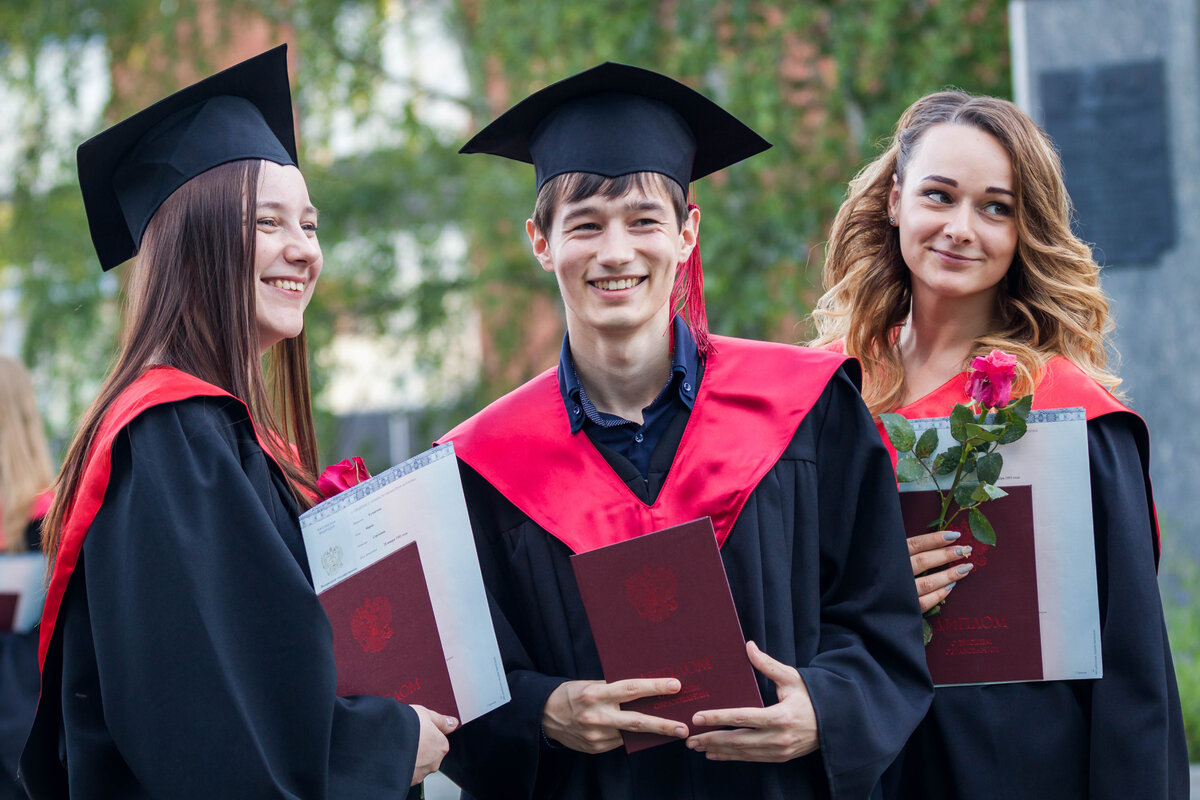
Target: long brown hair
191,305
24,458
1050,301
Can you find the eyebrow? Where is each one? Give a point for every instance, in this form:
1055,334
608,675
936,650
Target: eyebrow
954,183
275,206
638,205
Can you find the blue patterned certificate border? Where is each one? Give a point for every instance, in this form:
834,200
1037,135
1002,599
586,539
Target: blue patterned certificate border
392,474
1036,416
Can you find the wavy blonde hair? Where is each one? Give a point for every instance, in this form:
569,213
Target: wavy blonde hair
1050,302
24,458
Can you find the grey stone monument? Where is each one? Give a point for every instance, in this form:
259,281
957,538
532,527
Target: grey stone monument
1116,83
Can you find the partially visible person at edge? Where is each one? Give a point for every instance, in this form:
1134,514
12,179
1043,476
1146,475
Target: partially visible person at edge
954,242
25,475
648,422
184,652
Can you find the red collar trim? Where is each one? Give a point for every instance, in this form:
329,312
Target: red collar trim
751,392
157,386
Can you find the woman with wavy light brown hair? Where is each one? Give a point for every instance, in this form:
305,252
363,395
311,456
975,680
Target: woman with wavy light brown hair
954,242
24,480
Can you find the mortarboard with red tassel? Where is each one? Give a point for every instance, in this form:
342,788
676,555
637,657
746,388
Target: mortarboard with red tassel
616,119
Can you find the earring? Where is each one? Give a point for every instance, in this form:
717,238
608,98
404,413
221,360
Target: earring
892,221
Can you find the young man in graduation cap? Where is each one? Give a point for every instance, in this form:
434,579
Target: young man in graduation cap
649,422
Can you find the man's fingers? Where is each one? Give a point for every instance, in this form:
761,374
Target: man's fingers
734,717
634,688
744,744
780,674
644,723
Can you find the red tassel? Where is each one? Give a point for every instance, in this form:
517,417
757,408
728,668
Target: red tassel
687,298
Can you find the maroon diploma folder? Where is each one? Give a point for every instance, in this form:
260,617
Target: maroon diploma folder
988,631
8,611
385,639
659,606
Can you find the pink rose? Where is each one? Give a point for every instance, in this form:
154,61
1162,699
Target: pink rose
991,379
341,476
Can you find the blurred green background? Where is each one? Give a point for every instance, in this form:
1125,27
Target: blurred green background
426,264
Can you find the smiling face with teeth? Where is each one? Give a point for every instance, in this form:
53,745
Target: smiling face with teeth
287,257
615,260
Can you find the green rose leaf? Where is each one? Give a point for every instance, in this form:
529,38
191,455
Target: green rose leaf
1021,406
947,461
963,493
992,492
909,469
969,464
927,443
988,467
926,631
1014,429
900,431
960,418
981,529
987,433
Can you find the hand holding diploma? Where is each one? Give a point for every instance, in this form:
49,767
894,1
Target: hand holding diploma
929,551
773,734
432,745
587,716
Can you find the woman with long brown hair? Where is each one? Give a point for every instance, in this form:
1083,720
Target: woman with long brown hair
183,650
24,482
954,242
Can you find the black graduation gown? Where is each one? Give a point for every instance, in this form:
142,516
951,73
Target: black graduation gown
191,658
820,577
1117,737
18,692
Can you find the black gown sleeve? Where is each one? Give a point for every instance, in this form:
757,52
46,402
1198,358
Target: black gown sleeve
1137,746
197,661
868,681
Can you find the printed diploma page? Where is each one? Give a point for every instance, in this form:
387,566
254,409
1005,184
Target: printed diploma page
373,550
1029,610
659,607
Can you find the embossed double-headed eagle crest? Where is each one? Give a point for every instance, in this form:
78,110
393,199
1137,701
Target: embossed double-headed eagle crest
331,560
652,592
371,624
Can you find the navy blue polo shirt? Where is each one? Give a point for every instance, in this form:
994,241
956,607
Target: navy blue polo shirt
634,441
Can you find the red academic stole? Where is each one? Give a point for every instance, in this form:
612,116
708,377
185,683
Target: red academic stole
155,387
1063,385
750,403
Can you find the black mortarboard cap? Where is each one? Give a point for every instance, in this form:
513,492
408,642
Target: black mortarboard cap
127,171
614,120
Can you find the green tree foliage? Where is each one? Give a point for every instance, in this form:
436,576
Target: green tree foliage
823,81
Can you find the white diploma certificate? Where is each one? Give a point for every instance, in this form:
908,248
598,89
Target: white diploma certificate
419,500
1052,458
22,590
